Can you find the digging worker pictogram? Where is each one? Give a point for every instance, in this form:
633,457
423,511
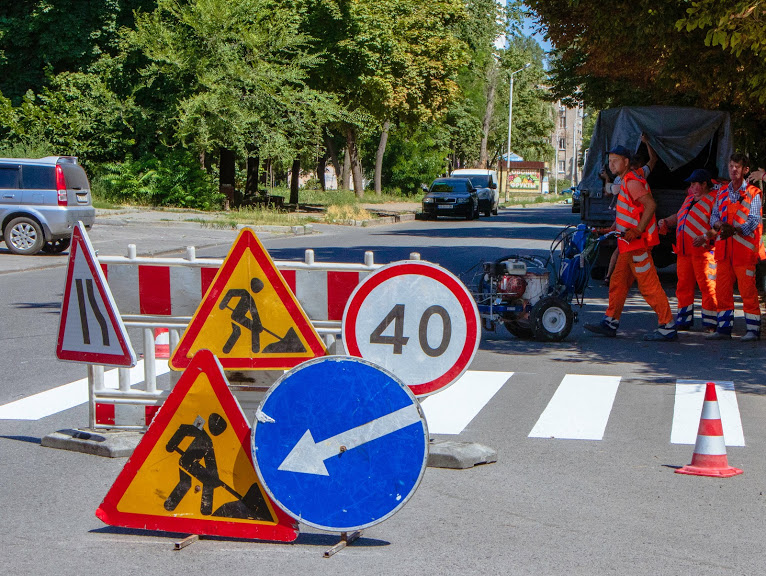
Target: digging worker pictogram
239,315
191,462
245,315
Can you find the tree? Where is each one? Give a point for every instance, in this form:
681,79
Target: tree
39,39
387,61
234,74
644,52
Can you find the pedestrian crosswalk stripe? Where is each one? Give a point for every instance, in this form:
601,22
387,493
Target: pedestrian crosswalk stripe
579,409
688,407
452,409
67,396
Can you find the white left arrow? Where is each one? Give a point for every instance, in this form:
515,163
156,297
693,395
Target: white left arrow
308,456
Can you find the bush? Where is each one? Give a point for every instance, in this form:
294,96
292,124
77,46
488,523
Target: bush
175,179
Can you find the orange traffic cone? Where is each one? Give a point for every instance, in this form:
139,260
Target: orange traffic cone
709,458
161,343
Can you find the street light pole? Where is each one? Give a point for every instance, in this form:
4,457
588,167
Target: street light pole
510,120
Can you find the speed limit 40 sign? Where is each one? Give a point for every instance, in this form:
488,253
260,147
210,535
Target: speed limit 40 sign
415,319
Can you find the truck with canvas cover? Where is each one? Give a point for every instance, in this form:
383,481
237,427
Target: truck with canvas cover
683,138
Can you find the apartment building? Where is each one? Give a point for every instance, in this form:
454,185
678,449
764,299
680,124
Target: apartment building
567,141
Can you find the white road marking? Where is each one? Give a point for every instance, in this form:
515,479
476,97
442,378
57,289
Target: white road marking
690,394
69,395
452,409
579,410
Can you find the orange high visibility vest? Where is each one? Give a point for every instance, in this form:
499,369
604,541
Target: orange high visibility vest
741,250
693,221
629,214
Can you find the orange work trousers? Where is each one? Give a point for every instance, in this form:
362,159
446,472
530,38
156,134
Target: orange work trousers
726,275
696,270
639,266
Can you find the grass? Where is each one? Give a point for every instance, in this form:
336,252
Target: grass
343,197
524,200
100,204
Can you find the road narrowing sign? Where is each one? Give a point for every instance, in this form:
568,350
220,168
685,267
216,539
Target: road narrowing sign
416,320
192,471
340,443
90,328
249,318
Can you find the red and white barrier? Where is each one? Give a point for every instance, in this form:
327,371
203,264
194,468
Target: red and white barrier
159,295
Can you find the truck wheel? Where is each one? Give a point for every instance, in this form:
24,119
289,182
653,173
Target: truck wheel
521,331
552,319
24,236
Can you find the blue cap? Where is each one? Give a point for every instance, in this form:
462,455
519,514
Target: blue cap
699,175
621,151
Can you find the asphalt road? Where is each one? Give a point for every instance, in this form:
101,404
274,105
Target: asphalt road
547,506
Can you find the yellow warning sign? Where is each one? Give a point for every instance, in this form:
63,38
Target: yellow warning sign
249,317
193,471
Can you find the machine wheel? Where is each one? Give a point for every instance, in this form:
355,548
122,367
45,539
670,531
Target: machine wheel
24,236
552,319
56,246
523,331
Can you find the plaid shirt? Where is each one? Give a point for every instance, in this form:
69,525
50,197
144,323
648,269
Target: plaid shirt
753,218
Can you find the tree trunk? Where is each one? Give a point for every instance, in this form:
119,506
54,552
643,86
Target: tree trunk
251,183
345,174
330,145
356,164
379,157
265,175
226,176
491,89
294,180
321,166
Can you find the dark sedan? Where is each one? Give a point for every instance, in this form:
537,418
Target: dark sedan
451,197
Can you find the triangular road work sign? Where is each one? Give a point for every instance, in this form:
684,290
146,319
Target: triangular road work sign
90,329
193,472
249,317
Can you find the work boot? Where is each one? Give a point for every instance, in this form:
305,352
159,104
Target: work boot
602,328
662,335
718,336
750,336
684,327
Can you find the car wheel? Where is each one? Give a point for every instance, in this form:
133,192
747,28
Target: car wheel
56,246
552,319
24,236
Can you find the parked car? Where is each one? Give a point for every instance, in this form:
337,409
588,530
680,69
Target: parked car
40,202
451,197
485,182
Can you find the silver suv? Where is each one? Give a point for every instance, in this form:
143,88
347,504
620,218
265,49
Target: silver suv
40,202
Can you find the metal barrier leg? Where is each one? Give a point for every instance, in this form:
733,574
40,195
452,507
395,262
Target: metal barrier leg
175,337
95,384
150,370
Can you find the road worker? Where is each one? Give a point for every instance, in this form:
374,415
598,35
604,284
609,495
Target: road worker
695,263
635,221
736,226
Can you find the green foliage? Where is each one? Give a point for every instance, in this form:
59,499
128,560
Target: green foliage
415,157
235,72
706,53
41,38
176,179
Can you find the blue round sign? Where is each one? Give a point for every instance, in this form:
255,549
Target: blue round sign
339,443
